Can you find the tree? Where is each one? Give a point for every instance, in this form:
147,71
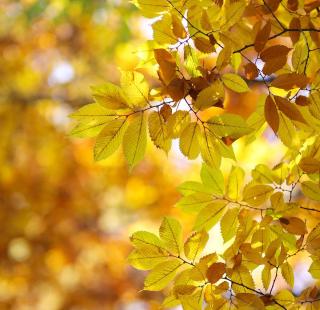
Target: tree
202,54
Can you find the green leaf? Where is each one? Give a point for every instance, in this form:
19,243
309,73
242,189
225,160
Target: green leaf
147,257
162,274
91,128
110,96
311,190
213,179
209,215
235,83
195,244
170,233
209,152
135,140
229,125
256,195
235,182
189,141
229,224
92,111
109,139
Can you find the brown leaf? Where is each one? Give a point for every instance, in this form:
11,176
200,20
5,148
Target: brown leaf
293,225
251,71
203,45
294,35
262,37
275,57
176,89
215,272
177,27
290,80
271,114
289,109
293,5
167,65
272,5
302,101
166,111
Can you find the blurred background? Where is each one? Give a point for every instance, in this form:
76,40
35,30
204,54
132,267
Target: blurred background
66,220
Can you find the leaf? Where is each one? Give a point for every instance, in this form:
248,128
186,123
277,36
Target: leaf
242,278
287,131
229,125
266,276
229,224
177,27
161,275
141,239
232,14
191,187
311,190
170,233
315,269
285,298
109,139
256,195
158,131
148,8
110,96
210,96
147,257
235,182
289,109
293,225
213,179
262,37
215,272
299,56
194,202
177,122
271,114
195,244
90,128
204,45
209,152
309,165
235,83
251,71
275,57
290,80
209,215
135,140
287,273
189,141
135,88
92,111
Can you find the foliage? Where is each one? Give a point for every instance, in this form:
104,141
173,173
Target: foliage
203,51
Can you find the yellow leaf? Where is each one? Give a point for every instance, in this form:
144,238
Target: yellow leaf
170,233
135,89
177,122
135,140
195,244
235,83
266,276
311,190
110,96
210,215
235,182
162,274
256,195
147,257
189,141
158,131
287,273
109,139
229,224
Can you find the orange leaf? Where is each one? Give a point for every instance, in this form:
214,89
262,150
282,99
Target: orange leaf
262,37
289,109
